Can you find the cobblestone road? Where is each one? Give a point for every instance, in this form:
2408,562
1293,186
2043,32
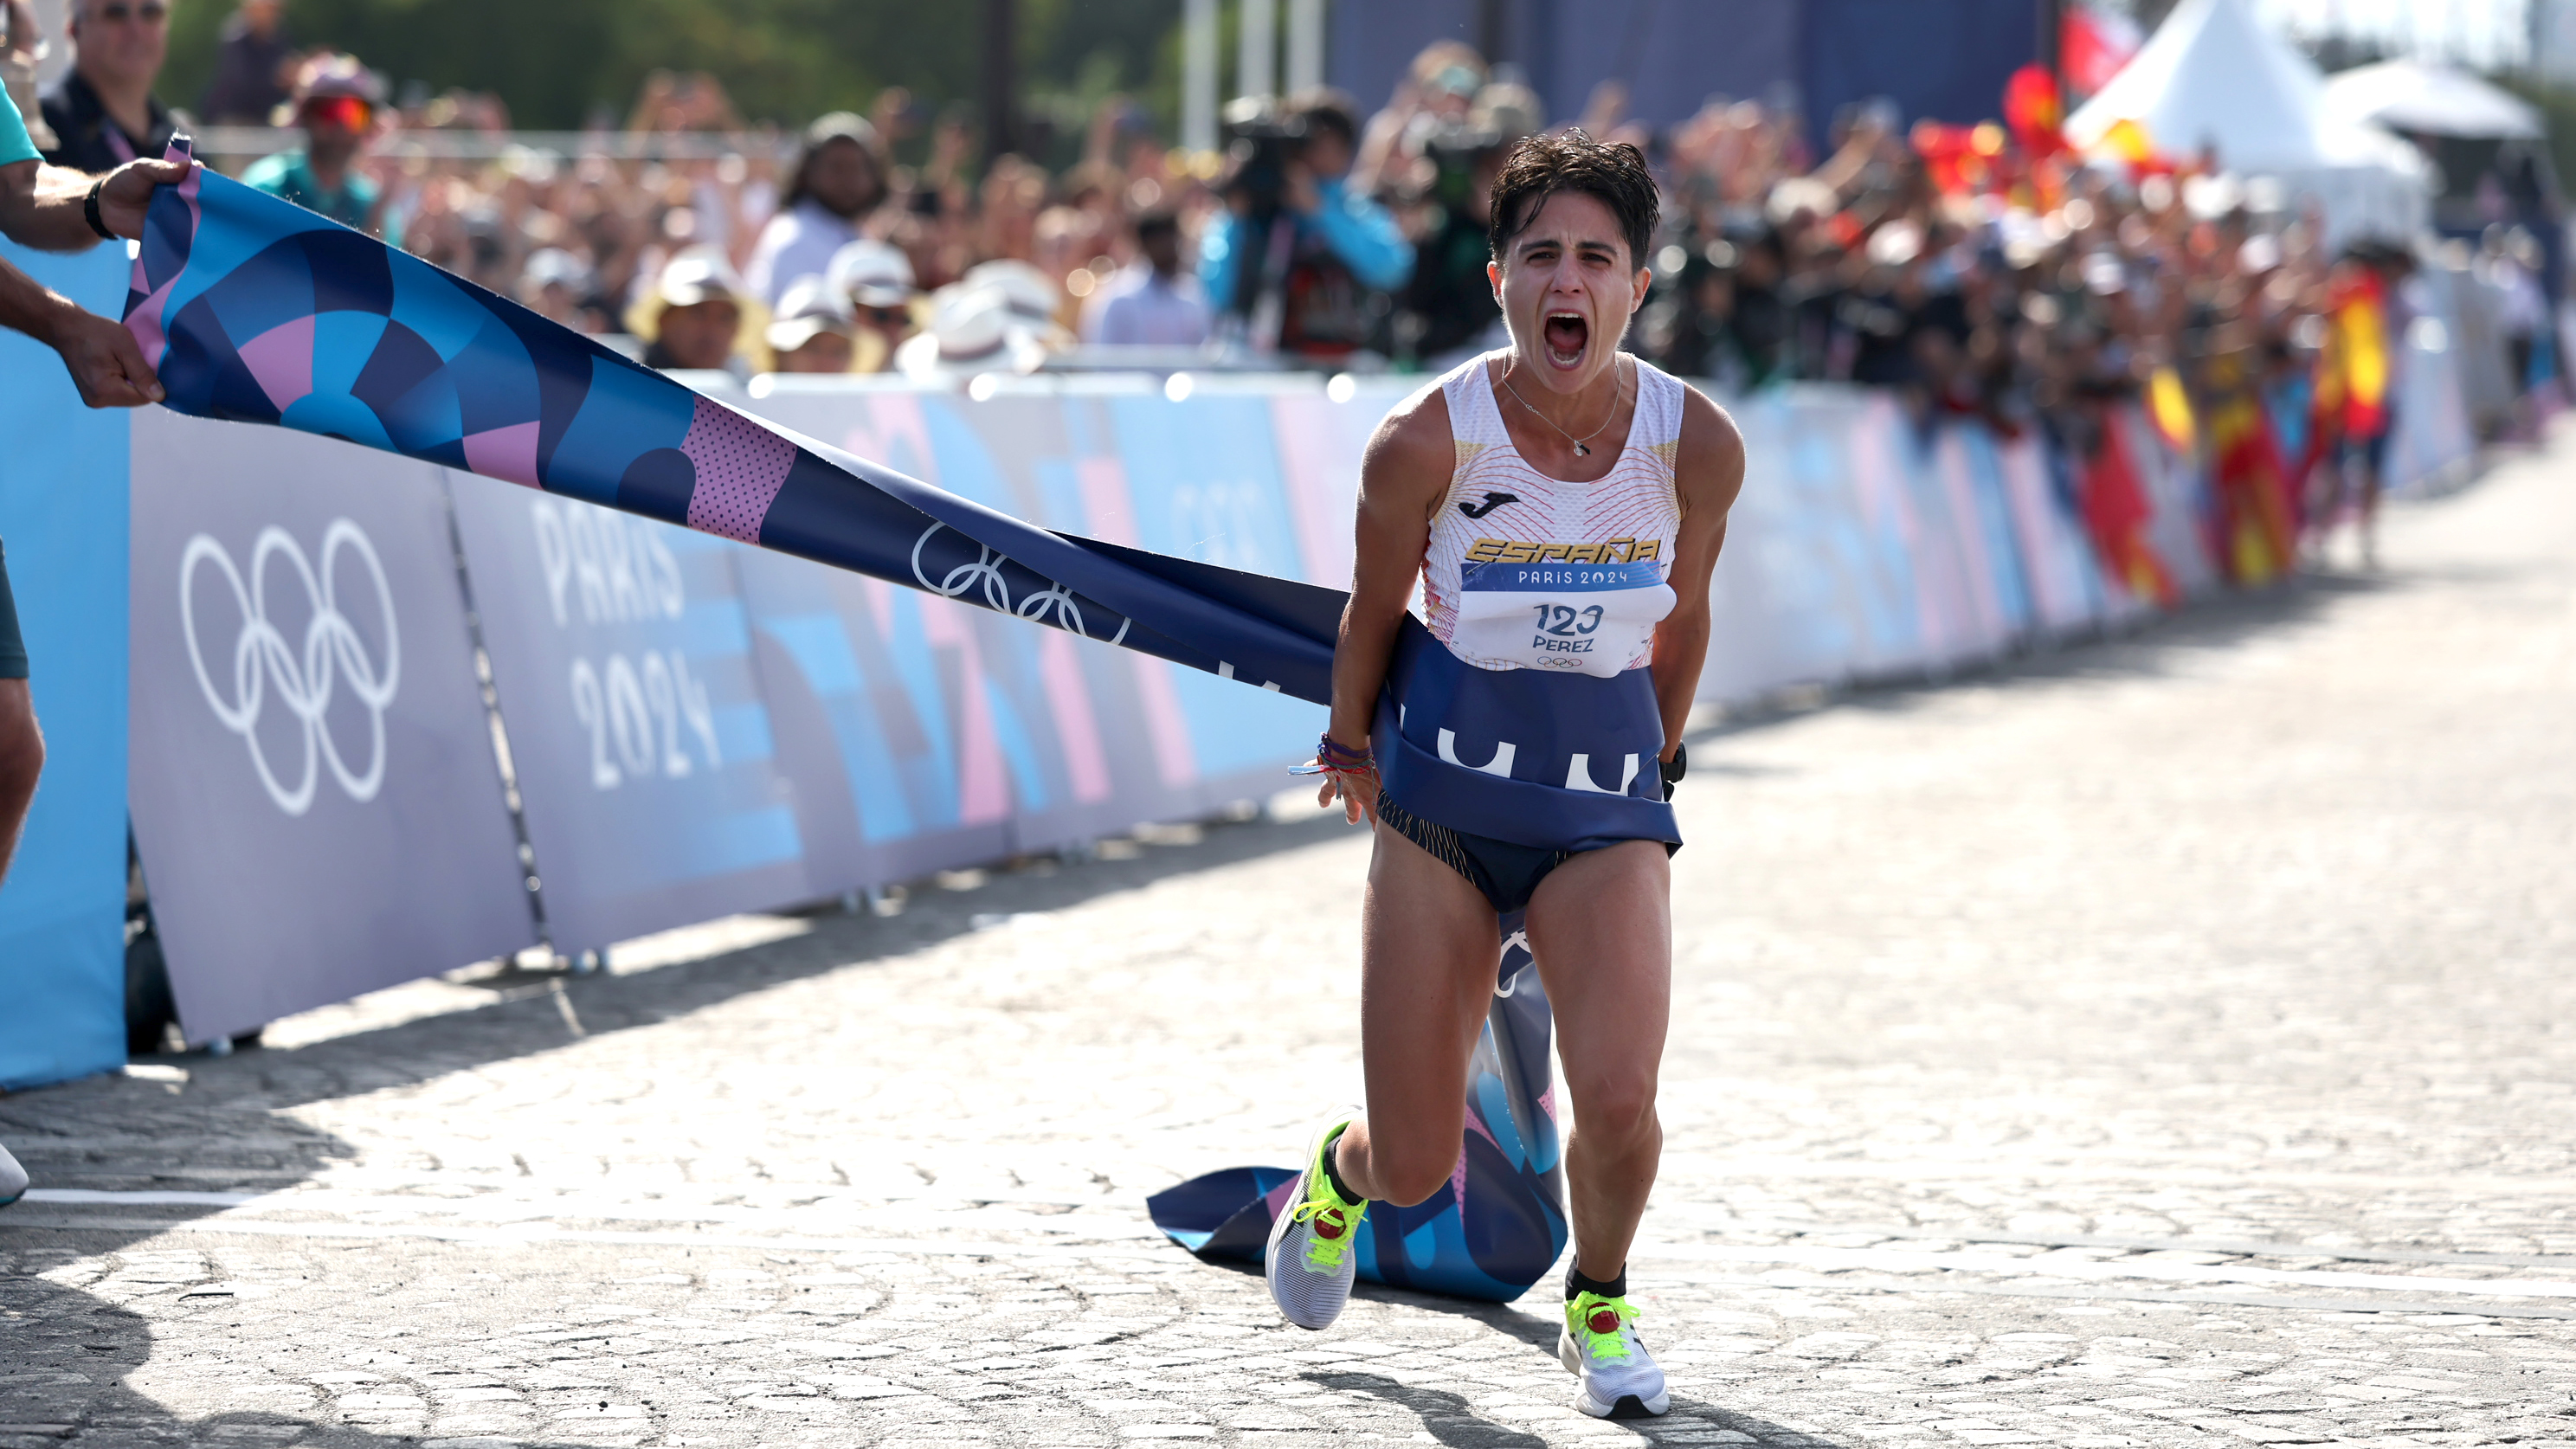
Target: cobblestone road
2172,1042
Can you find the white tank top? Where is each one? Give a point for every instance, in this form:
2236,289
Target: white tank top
1526,572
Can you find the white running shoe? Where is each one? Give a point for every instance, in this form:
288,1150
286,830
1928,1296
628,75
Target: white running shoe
13,1178
1599,1345
1311,1259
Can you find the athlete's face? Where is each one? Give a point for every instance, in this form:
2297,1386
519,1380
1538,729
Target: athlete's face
1567,287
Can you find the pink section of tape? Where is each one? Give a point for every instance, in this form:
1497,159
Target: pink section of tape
281,360
147,324
740,468
507,453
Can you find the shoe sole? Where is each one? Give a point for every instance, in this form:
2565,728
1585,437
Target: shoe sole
1280,1224
1626,1406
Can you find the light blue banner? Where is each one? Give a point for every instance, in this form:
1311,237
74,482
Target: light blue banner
63,517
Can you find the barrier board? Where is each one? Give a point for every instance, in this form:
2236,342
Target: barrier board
641,738
922,732
315,796
62,519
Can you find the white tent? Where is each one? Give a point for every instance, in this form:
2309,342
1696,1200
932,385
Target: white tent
2407,96
2212,78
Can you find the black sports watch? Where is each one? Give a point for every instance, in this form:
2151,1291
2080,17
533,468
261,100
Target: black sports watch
89,209
1674,768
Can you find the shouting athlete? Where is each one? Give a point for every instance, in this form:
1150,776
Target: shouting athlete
1562,504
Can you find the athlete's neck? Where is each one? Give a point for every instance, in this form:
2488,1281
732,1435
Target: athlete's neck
1581,415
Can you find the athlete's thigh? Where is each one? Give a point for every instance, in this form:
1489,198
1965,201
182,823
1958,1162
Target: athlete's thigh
1601,928
1428,948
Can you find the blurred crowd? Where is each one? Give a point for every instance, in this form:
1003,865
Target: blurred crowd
1976,271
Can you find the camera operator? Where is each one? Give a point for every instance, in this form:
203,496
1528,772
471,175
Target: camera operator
1449,311
1302,263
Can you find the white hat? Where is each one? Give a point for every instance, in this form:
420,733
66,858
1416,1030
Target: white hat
972,329
697,274
1032,295
872,274
811,306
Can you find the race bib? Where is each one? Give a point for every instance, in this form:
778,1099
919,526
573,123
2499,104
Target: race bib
1594,619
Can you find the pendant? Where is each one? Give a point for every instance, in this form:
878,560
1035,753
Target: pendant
1581,451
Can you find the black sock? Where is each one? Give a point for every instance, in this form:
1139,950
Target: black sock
1333,1171
1576,1284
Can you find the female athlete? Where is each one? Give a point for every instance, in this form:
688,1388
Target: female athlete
1562,505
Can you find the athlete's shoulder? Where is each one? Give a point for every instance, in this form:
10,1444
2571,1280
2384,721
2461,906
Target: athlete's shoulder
1708,460
1414,439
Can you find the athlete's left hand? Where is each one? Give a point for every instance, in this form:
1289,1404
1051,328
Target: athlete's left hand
1357,793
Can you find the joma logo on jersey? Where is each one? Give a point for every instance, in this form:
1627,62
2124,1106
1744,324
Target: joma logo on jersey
1617,550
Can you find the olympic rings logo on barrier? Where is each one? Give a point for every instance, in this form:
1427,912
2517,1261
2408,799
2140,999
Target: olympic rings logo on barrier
987,571
304,682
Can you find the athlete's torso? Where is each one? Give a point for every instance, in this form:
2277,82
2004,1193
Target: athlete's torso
1528,572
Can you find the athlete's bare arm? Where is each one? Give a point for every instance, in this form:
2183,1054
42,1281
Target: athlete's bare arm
1708,472
1403,477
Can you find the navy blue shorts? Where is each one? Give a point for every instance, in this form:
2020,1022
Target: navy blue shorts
1505,873
13,649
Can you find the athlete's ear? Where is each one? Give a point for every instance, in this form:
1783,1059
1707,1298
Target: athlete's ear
1643,282
1494,275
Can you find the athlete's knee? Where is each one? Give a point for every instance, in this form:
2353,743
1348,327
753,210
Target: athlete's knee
1408,1175
1615,1106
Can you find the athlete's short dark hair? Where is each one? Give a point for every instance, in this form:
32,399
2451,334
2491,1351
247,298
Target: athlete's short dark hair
1542,166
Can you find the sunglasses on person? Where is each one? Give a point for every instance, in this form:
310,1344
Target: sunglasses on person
150,13
349,112
886,316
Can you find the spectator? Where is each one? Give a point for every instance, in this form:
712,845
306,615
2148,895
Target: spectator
973,328
1449,309
1032,298
254,65
1150,302
554,285
1302,262
839,179
697,314
22,49
876,279
813,331
103,113
335,103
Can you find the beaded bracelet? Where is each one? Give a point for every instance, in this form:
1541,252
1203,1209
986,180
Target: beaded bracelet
1337,760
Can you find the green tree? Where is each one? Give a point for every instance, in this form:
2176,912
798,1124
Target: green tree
557,62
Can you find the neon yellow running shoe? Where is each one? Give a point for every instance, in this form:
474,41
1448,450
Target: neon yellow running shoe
1601,1347
1312,1257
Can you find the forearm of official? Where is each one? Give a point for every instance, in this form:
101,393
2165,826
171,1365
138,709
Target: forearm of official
31,307
47,207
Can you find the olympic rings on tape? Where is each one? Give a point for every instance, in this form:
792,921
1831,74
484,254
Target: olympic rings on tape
986,569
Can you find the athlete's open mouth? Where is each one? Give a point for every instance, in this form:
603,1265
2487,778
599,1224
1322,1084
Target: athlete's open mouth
1566,334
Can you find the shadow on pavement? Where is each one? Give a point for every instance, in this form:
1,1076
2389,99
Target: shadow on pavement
1448,1418
66,1352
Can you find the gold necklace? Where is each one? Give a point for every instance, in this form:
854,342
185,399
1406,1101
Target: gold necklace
1580,451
